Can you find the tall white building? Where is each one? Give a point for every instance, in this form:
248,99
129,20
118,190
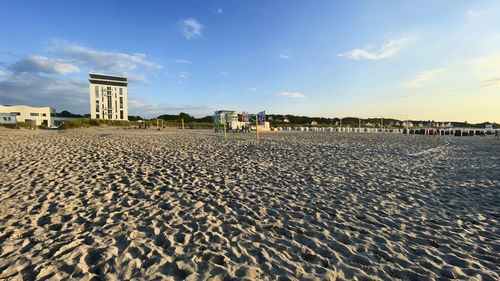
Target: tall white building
108,97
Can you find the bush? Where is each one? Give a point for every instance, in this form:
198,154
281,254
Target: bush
10,126
25,125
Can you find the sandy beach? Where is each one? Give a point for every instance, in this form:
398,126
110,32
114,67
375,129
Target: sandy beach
120,204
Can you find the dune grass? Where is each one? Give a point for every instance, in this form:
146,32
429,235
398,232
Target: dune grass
85,123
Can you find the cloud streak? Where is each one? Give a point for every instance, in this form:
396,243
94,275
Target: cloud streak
40,64
181,61
293,95
423,77
490,83
387,50
191,28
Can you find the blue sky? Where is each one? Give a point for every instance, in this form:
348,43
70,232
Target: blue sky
406,59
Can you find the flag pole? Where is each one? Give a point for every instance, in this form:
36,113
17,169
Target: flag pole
256,127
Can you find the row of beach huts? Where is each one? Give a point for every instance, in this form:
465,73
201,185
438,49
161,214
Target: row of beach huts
458,132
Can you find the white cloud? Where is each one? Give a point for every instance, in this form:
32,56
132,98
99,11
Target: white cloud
387,50
26,80
35,90
291,95
224,73
472,14
218,11
284,56
183,61
39,64
191,28
251,89
422,77
98,60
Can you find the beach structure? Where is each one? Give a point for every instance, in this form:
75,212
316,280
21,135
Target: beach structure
108,97
225,116
28,114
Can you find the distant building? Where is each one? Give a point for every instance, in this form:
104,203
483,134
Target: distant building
28,114
314,123
224,116
285,120
108,97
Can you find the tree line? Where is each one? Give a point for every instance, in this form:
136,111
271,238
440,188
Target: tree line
279,120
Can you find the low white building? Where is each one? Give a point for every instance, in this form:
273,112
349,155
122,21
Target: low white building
7,118
225,116
28,114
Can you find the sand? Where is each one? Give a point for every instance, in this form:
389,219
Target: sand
119,204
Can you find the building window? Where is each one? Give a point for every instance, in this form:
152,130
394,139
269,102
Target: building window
121,114
97,116
15,113
121,91
121,102
110,103
97,106
44,114
97,92
34,114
